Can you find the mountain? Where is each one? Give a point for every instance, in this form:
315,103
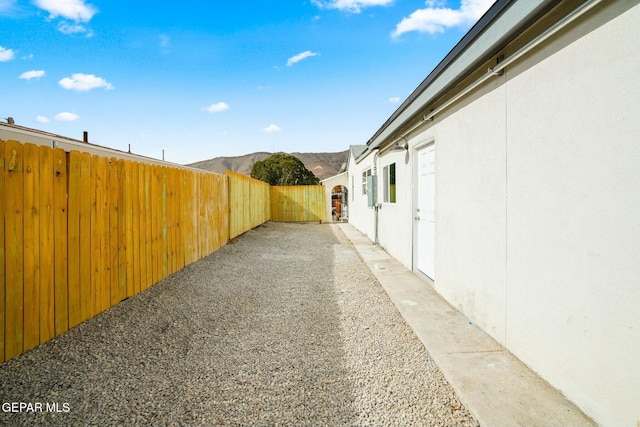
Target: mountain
323,165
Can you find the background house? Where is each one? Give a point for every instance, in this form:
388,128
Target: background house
337,197
509,181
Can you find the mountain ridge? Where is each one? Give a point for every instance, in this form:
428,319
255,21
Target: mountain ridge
323,165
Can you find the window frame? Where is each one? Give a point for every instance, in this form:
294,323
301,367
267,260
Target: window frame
389,183
365,173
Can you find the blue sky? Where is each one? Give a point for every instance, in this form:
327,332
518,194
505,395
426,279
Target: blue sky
201,79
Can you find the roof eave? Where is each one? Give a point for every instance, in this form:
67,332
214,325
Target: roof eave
502,23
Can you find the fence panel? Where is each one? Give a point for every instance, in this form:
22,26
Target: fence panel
79,233
249,200
304,203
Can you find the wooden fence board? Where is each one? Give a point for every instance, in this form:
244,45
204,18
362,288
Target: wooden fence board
223,209
180,241
85,255
137,228
14,251
201,216
2,252
31,223
61,300
190,218
113,233
152,212
163,225
121,293
168,255
195,217
99,185
47,269
147,215
175,222
73,238
205,216
177,232
129,229
96,218
175,208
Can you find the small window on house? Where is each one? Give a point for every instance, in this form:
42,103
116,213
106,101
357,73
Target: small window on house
389,176
365,174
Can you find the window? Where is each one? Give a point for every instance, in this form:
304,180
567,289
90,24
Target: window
389,175
365,174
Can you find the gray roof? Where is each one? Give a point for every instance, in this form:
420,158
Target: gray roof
356,150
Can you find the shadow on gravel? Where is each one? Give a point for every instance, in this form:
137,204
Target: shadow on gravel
247,336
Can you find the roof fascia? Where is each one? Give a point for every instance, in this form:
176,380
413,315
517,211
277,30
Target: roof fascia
502,23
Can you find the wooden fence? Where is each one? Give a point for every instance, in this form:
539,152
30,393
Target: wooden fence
298,203
249,203
79,233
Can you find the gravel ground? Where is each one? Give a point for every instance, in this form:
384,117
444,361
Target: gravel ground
284,327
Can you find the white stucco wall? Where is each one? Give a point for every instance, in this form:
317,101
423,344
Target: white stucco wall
573,217
538,211
470,209
395,219
360,215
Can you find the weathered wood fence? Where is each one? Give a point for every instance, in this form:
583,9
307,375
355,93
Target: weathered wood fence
249,201
79,233
298,203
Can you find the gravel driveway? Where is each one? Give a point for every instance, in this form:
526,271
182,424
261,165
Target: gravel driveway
284,327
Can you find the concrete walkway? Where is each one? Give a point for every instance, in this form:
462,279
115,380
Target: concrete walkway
497,388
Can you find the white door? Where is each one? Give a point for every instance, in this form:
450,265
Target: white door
424,214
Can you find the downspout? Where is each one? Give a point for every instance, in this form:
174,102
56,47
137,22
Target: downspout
376,205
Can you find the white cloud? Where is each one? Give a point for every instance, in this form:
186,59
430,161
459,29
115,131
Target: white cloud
217,107
84,82
75,10
271,128
33,74
434,19
67,117
42,119
6,54
394,99
67,28
352,6
299,57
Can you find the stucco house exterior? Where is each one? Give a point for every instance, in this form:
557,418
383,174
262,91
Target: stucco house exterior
510,181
